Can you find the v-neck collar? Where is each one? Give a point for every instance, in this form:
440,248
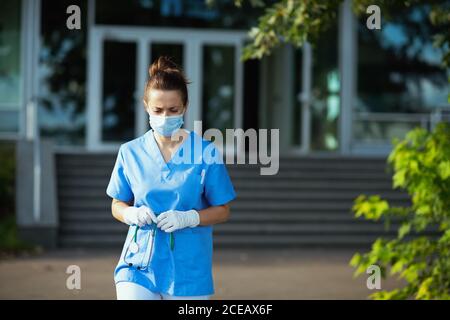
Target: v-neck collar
156,153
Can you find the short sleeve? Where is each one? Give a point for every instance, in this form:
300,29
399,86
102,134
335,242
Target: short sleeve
119,186
218,187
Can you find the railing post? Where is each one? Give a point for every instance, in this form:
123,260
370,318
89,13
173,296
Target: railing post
306,96
435,118
33,135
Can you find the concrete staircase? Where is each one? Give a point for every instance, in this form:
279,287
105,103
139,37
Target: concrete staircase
308,203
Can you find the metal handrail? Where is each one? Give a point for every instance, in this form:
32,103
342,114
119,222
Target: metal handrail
437,116
425,120
431,118
32,133
389,117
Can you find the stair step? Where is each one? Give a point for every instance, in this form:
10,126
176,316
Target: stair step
92,193
289,166
244,184
93,172
242,228
309,202
235,217
261,205
235,241
295,162
297,241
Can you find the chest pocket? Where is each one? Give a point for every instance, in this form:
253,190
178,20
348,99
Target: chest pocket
191,188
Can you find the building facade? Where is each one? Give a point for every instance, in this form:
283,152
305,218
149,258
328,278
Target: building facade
337,102
349,93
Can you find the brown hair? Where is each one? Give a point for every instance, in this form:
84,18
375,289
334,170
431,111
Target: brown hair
166,75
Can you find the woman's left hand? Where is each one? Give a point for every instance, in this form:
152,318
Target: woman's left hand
172,220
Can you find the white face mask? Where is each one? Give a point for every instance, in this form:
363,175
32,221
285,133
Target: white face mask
166,125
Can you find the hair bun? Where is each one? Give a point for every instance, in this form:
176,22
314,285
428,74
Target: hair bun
163,64
166,75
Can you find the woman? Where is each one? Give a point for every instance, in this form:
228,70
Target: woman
169,205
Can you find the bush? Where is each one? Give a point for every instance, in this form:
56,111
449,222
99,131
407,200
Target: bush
7,179
421,164
9,241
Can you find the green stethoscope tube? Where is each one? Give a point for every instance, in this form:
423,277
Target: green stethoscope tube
172,241
135,234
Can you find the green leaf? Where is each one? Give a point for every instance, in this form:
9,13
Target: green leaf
414,166
423,209
404,229
423,292
399,178
444,170
356,260
397,267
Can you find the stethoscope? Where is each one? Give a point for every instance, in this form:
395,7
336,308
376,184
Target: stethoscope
133,247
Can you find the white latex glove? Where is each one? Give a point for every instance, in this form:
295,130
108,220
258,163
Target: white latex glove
172,220
139,216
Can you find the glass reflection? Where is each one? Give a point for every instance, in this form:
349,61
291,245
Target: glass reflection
119,79
296,134
177,13
400,77
218,87
325,104
10,55
399,70
62,73
10,68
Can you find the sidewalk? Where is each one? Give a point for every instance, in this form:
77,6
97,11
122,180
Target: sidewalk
238,274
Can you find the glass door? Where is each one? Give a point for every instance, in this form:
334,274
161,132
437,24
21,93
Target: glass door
118,101
316,111
12,66
154,49
118,70
218,87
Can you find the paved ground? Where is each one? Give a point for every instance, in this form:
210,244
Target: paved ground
238,274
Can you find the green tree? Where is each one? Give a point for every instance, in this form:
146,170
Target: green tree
298,21
421,161
421,164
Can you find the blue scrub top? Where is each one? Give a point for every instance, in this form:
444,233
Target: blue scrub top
142,176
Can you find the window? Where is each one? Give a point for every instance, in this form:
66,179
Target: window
177,13
62,74
399,71
218,87
10,66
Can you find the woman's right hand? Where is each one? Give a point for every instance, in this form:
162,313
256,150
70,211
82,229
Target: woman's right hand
139,216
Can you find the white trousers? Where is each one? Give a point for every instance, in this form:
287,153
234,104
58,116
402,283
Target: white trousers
133,291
